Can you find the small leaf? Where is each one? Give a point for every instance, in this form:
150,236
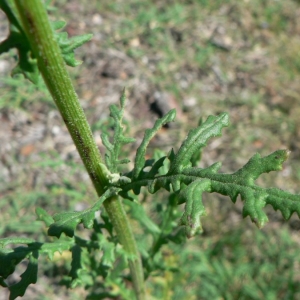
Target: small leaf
44,216
149,134
56,25
27,64
113,149
68,45
67,221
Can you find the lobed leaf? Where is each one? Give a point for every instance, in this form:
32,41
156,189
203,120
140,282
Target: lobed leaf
27,64
10,258
108,249
9,261
197,139
139,163
68,45
194,207
190,182
242,183
113,149
27,278
66,222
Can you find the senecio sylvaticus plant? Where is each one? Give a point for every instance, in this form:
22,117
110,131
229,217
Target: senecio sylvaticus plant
43,50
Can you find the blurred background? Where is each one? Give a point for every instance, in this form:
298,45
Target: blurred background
200,57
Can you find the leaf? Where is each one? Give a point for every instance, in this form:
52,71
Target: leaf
27,278
196,140
44,216
27,64
190,182
56,25
113,149
9,261
76,266
66,222
108,249
15,240
194,207
68,45
139,163
10,258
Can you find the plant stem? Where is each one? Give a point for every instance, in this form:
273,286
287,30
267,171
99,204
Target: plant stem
52,67
119,218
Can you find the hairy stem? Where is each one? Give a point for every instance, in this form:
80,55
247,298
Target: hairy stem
52,67
119,219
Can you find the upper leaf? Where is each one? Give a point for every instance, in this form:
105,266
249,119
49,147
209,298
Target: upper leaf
139,163
27,64
190,182
68,45
196,139
113,149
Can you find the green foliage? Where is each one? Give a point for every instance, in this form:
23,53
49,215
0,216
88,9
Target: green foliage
27,64
66,222
239,264
186,184
10,258
113,150
68,45
190,182
99,255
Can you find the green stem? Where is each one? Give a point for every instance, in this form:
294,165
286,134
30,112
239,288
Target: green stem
119,219
52,67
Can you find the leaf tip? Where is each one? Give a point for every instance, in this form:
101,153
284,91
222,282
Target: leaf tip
172,114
